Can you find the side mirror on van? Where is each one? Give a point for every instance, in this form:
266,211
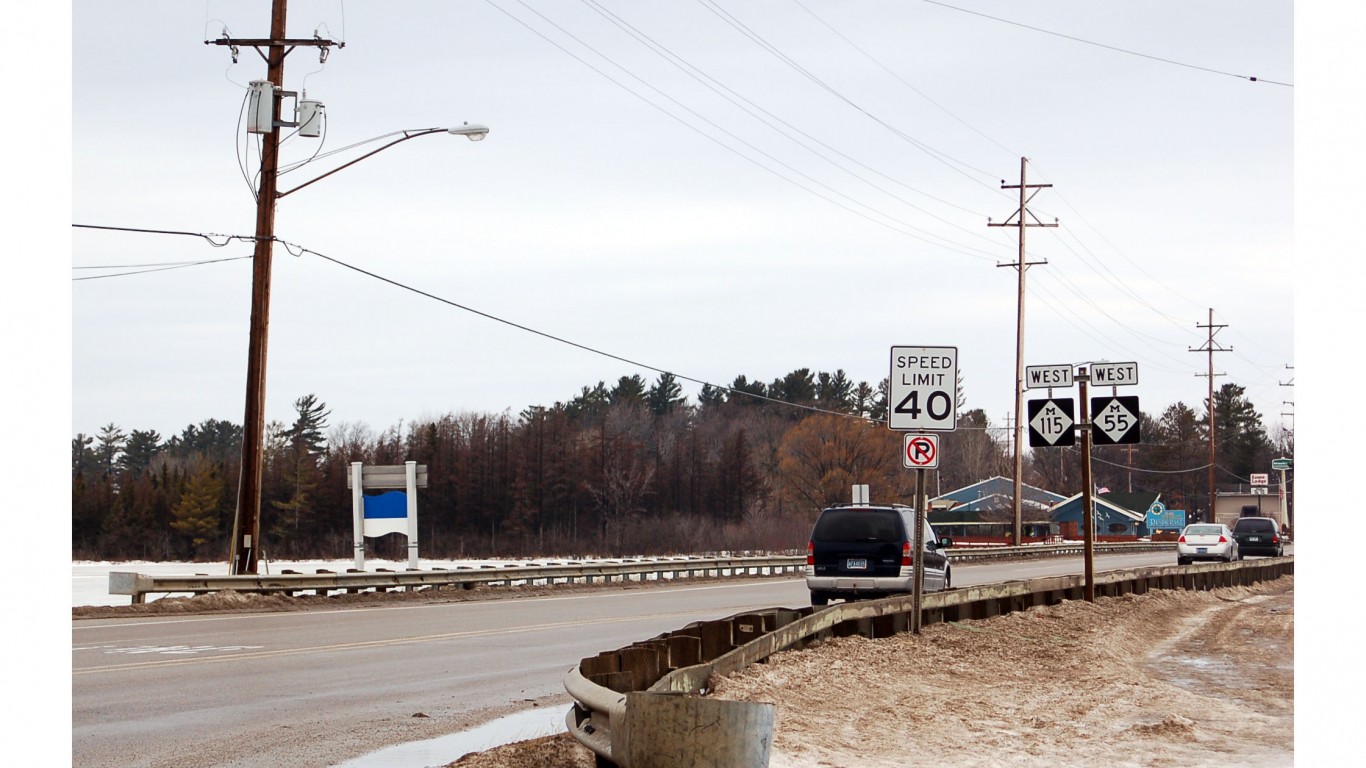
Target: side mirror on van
945,542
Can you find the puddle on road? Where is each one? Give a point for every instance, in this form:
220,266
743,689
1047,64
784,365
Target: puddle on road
520,726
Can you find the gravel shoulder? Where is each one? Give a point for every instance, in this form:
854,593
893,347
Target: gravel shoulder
1164,679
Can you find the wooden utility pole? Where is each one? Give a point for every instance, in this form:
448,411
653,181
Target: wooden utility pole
1210,348
1021,218
246,528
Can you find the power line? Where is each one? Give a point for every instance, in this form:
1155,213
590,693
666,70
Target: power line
975,253
143,269
1111,47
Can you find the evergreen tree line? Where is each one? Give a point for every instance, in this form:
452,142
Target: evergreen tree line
634,468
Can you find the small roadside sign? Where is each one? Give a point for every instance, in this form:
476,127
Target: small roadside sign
920,452
1260,478
1041,376
1280,465
1114,374
1050,422
1115,420
923,389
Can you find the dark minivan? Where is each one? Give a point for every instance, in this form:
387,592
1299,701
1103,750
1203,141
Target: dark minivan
1258,536
863,551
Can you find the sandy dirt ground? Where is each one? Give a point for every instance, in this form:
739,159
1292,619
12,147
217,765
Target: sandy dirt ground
1167,679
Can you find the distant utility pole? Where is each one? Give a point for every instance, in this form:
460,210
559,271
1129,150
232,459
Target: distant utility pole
1129,455
1021,218
1210,347
1291,403
246,528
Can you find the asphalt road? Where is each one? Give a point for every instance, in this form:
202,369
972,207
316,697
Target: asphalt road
313,688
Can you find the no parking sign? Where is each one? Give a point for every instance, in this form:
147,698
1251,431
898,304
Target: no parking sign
920,452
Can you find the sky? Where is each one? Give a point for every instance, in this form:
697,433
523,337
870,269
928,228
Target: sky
707,188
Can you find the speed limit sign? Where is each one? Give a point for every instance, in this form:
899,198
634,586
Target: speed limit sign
922,391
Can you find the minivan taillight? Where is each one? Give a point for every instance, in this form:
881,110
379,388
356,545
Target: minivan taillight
810,553
906,554
1275,538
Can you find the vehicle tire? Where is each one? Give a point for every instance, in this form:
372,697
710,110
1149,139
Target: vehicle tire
948,579
820,598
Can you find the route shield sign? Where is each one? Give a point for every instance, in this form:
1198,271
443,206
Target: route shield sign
1115,420
1051,422
920,452
923,389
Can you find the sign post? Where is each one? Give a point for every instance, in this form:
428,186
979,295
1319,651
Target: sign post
922,395
1281,465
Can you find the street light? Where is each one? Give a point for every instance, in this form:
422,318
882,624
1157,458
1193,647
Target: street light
246,528
474,132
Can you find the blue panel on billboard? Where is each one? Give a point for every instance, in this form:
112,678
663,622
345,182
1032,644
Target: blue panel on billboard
393,504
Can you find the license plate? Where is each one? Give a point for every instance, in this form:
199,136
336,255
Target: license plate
856,564
1201,550
1254,538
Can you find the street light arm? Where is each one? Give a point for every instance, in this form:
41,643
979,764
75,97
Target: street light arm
406,136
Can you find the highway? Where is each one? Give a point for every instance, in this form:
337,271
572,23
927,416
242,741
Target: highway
313,688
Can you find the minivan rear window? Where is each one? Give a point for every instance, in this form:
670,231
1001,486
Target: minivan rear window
1255,525
847,525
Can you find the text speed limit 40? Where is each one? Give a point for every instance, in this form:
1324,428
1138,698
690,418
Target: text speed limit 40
922,389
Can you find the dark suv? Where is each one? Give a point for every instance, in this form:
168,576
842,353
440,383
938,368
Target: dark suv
1258,536
861,551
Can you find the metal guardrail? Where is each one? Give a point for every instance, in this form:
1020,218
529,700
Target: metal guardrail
325,582
685,661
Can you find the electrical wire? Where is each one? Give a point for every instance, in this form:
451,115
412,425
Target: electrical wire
1110,47
151,268
902,80
735,98
944,158
140,269
718,142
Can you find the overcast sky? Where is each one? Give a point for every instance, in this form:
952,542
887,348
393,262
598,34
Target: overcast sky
708,188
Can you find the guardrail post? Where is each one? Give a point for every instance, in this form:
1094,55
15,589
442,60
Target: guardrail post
662,730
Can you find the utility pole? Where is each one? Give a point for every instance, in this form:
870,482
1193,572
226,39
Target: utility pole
1129,456
246,528
1021,218
1291,403
1210,347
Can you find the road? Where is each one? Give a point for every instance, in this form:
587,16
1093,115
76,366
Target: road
313,688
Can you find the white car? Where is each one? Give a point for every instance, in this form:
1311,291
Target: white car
1206,541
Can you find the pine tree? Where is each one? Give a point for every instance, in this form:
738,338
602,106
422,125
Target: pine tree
663,395
199,512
